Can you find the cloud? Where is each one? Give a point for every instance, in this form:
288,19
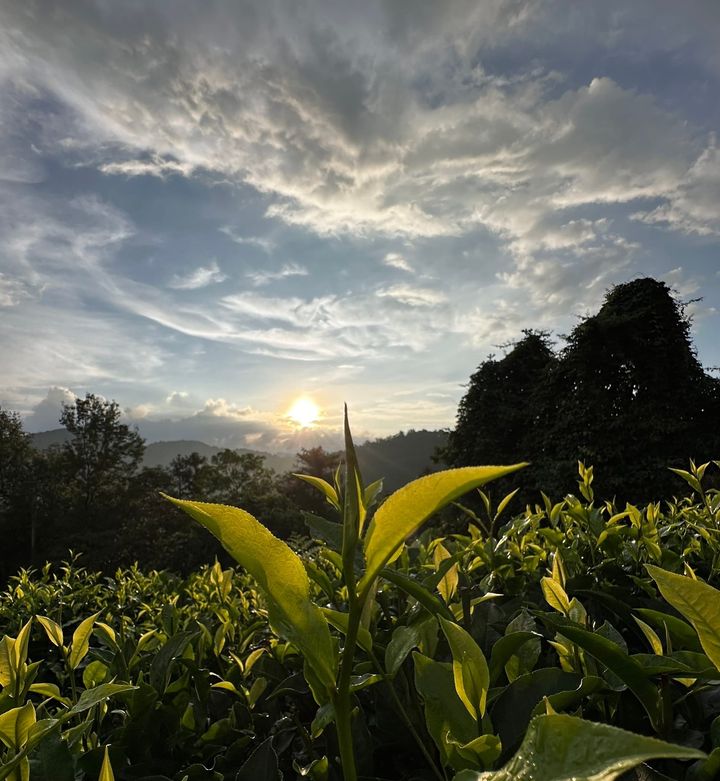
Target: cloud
261,242
692,206
501,146
200,277
411,295
12,291
396,260
46,413
353,138
157,166
263,277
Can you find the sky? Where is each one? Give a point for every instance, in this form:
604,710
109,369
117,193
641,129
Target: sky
209,210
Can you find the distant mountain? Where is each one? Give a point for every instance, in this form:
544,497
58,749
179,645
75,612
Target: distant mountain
397,459
162,453
400,458
46,439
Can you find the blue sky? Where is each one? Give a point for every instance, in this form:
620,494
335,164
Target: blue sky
210,209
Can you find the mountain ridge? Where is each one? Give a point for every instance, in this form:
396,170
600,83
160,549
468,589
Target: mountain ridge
397,459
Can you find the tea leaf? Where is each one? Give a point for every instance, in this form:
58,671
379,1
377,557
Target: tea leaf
261,764
91,697
697,602
15,726
323,486
406,510
81,641
559,747
280,574
106,771
629,671
52,630
470,669
444,711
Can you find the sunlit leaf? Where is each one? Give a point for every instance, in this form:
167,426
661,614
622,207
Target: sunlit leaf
697,602
406,510
81,641
323,486
15,725
280,574
106,771
470,669
559,747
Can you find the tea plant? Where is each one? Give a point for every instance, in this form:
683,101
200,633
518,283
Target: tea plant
577,639
461,730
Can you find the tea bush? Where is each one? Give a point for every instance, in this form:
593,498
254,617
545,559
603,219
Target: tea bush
576,640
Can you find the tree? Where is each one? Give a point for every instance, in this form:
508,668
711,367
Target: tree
188,476
100,458
240,479
15,506
629,396
497,417
317,462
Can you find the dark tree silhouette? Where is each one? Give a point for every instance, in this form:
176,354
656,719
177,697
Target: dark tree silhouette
629,396
99,459
626,395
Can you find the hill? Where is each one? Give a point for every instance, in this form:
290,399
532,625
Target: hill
401,457
162,453
398,459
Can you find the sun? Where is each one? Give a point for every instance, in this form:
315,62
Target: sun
304,412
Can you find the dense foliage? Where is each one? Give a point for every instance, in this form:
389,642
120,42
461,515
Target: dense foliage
626,394
576,639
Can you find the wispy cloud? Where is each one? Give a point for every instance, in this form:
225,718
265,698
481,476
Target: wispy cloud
441,175
396,260
198,278
263,277
261,242
411,295
157,166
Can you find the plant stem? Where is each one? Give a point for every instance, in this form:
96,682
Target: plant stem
342,703
408,721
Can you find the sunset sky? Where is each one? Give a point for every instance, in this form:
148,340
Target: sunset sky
209,210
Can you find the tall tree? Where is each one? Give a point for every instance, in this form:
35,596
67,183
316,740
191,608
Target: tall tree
497,417
317,462
15,505
629,396
101,456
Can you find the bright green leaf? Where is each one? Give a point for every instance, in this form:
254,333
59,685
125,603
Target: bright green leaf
15,726
406,510
558,747
555,595
697,602
106,771
324,487
280,574
49,690
52,630
81,641
470,669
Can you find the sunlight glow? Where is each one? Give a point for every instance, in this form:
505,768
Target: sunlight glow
304,412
